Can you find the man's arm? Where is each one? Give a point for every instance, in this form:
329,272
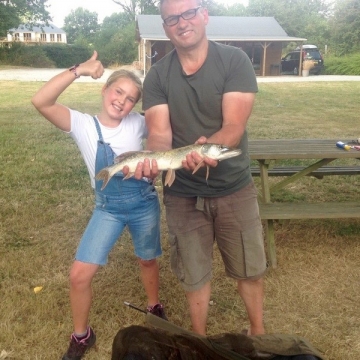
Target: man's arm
158,123
159,139
236,109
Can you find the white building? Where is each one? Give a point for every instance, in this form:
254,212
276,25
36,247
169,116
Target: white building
35,35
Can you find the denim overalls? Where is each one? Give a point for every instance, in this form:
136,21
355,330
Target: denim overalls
133,203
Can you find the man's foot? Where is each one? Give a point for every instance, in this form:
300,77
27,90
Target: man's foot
77,348
157,310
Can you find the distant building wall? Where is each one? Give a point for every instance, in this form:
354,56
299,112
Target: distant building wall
48,34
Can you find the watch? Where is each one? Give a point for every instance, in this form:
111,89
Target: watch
73,70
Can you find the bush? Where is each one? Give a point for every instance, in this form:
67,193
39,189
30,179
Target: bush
22,55
344,65
44,56
66,55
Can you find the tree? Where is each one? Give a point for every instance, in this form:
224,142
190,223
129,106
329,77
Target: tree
236,10
134,7
299,18
112,31
346,27
15,12
121,48
81,23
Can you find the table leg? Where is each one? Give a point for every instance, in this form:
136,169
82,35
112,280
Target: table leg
269,224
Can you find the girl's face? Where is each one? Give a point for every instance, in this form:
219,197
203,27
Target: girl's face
119,99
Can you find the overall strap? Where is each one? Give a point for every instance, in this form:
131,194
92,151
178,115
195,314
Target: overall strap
98,129
104,155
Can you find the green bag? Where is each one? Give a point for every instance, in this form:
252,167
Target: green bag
162,340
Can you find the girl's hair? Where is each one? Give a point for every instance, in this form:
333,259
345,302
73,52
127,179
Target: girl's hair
127,74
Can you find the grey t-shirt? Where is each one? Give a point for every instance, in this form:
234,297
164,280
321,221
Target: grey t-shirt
195,110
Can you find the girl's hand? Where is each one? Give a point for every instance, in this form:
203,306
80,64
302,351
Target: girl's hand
91,67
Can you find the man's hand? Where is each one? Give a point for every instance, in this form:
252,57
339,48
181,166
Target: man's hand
194,159
144,169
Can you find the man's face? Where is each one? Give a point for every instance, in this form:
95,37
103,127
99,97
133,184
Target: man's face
185,34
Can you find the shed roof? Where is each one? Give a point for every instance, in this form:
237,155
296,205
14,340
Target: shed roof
222,28
48,29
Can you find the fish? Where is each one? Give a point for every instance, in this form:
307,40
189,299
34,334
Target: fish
169,160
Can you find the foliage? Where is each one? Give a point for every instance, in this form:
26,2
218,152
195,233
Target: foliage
346,27
81,23
294,16
22,55
44,56
133,7
66,55
236,10
121,49
15,12
110,26
344,65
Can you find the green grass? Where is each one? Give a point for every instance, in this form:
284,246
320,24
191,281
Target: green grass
46,201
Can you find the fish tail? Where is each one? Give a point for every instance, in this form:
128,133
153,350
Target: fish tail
104,175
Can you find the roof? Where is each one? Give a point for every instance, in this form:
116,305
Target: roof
50,29
222,28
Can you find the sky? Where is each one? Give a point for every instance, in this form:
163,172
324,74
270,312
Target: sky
60,9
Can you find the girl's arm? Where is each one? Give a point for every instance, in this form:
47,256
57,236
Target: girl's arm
45,100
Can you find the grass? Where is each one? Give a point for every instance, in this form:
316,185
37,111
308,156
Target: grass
46,201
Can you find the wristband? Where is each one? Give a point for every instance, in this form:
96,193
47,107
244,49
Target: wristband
73,70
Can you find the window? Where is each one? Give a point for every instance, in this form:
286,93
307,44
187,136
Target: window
58,38
52,37
43,37
27,36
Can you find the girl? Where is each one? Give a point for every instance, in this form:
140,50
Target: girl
133,203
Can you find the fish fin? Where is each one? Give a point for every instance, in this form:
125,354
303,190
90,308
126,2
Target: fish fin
128,176
170,177
198,166
126,154
104,175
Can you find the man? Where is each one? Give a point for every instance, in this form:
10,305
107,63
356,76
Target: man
204,92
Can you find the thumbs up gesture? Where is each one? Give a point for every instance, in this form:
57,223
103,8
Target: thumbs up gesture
91,67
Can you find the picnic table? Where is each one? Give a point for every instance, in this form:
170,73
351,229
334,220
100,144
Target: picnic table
319,153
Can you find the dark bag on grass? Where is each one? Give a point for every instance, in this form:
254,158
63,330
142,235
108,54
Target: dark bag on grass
165,341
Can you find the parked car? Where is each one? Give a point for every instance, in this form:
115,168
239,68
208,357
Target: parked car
291,62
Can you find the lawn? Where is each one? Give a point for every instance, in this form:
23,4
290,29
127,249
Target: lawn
46,201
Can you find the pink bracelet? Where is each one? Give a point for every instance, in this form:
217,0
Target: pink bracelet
73,70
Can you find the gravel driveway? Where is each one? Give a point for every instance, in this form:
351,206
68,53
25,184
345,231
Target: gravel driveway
46,74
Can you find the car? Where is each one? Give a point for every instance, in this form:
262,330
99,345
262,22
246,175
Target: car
291,62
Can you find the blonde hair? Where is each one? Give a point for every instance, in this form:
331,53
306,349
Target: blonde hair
127,74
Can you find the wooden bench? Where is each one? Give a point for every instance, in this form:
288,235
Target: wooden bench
328,210
319,173
290,211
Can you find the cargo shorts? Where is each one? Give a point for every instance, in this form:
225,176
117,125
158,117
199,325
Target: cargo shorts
233,221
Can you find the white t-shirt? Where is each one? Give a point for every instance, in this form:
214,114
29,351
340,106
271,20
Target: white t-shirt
128,136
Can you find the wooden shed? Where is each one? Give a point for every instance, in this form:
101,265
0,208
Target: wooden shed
262,38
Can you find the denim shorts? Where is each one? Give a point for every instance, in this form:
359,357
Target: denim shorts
136,208
233,221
